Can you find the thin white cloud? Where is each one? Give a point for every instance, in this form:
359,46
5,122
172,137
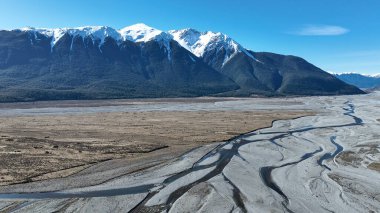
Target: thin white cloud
321,30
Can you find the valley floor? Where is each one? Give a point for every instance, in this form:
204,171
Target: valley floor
324,162
47,140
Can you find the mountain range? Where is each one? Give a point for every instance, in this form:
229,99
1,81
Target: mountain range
139,61
360,80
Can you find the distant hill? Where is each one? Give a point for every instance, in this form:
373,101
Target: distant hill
139,61
360,80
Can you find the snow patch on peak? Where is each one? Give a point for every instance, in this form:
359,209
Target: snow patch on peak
187,38
135,33
370,75
98,32
356,73
201,42
95,32
143,33
139,33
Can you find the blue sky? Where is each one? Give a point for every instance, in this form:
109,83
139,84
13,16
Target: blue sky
336,35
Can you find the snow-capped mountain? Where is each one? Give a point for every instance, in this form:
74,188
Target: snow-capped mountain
199,43
360,80
141,61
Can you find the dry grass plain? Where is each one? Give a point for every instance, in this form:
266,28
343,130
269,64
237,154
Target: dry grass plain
50,146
